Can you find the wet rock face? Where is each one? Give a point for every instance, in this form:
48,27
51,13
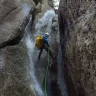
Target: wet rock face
77,26
31,3
13,52
13,25
13,71
7,6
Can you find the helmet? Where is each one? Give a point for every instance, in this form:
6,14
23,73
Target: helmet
47,34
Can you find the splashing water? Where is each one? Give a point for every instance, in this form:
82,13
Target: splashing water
44,24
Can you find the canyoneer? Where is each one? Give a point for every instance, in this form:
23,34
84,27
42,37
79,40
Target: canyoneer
42,43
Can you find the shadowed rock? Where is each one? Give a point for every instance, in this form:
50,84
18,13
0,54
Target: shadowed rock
77,26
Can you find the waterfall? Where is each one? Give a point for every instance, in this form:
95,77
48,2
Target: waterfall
61,81
30,45
43,25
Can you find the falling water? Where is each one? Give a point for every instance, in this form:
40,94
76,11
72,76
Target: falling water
61,81
44,24
30,45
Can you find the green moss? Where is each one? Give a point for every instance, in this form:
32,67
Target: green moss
41,1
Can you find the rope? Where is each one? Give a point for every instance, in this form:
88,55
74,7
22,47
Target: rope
45,89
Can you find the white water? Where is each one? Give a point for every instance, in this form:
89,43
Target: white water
44,24
30,45
61,81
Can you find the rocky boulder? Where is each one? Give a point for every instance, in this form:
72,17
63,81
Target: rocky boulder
13,25
14,75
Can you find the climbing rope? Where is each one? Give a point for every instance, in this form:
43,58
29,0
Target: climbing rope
45,89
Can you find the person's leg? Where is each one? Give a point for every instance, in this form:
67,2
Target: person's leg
41,50
48,50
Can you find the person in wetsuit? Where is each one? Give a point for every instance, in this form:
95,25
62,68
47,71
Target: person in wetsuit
45,46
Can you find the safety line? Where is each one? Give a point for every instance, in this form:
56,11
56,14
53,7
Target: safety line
46,76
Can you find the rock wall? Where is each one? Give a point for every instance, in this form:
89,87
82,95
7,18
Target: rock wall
14,76
7,6
31,3
77,26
